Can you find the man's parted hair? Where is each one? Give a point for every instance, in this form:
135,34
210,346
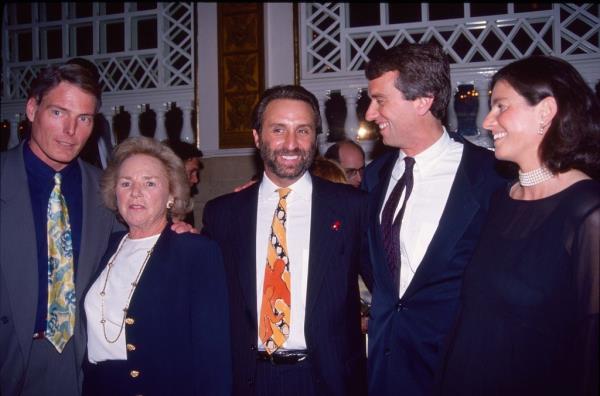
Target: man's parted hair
72,73
293,92
423,71
178,183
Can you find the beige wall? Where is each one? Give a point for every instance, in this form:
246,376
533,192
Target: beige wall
219,176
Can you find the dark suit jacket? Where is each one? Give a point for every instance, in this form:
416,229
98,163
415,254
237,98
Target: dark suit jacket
332,322
180,321
406,335
19,266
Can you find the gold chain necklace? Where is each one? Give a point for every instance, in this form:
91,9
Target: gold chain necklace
133,286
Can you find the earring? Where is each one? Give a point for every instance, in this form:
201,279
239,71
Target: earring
541,128
170,204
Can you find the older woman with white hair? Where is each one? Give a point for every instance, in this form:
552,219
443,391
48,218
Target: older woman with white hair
157,313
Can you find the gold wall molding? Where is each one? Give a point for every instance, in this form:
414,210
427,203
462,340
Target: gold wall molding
241,70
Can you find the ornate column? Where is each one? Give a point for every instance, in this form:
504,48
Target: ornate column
351,125
322,138
187,134
482,86
13,139
161,131
103,148
134,129
111,125
452,123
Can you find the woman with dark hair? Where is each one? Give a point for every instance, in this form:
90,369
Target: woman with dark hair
529,318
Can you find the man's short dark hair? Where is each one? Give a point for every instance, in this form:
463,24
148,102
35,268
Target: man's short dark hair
72,73
423,71
333,152
293,92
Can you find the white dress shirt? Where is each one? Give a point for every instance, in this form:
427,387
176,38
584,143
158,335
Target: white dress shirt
126,266
299,205
434,172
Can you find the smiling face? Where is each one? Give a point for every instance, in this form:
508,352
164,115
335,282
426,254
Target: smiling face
142,195
515,125
396,117
61,124
287,141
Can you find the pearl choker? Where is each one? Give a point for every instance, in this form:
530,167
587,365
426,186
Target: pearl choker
534,177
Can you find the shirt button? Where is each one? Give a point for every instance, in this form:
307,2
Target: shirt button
129,321
134,373
130,347
253,347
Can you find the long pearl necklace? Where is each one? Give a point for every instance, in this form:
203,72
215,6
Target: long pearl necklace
536,176
133,286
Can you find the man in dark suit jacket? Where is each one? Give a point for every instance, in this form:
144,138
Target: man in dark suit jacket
421,244
325,223
61,107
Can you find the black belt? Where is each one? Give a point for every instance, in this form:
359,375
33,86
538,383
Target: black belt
283,356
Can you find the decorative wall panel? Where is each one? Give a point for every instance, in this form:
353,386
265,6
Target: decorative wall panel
241,71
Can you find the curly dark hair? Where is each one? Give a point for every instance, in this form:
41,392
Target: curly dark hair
294,92
573,137
423,71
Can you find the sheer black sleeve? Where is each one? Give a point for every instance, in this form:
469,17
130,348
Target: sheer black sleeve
586,255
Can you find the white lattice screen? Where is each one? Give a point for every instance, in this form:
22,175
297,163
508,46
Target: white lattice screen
144,52
169,64
334,50
332,47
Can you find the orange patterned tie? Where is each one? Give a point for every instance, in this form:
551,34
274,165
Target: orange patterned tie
274,322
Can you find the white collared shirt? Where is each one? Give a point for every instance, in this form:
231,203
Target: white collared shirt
125,269
299,206
434,172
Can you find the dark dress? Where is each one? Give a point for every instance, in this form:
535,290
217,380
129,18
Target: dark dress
529,320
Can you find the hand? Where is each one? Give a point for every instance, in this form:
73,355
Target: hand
244,186
182,227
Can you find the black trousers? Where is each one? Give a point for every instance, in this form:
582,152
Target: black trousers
285,379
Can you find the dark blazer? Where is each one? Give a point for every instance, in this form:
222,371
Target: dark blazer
337,254
179,321
406,335
19,266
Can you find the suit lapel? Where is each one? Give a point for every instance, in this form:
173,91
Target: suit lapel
324,243
19,252
86,266
376,201
246,246
456,217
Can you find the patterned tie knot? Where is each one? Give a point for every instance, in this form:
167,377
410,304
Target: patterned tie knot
57,179
283,192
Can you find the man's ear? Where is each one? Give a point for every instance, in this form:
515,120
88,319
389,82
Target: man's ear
31,109
423,104
256,138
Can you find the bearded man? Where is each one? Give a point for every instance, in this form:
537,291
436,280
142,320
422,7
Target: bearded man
294,245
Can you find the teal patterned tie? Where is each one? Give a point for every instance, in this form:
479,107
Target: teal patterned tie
61,285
